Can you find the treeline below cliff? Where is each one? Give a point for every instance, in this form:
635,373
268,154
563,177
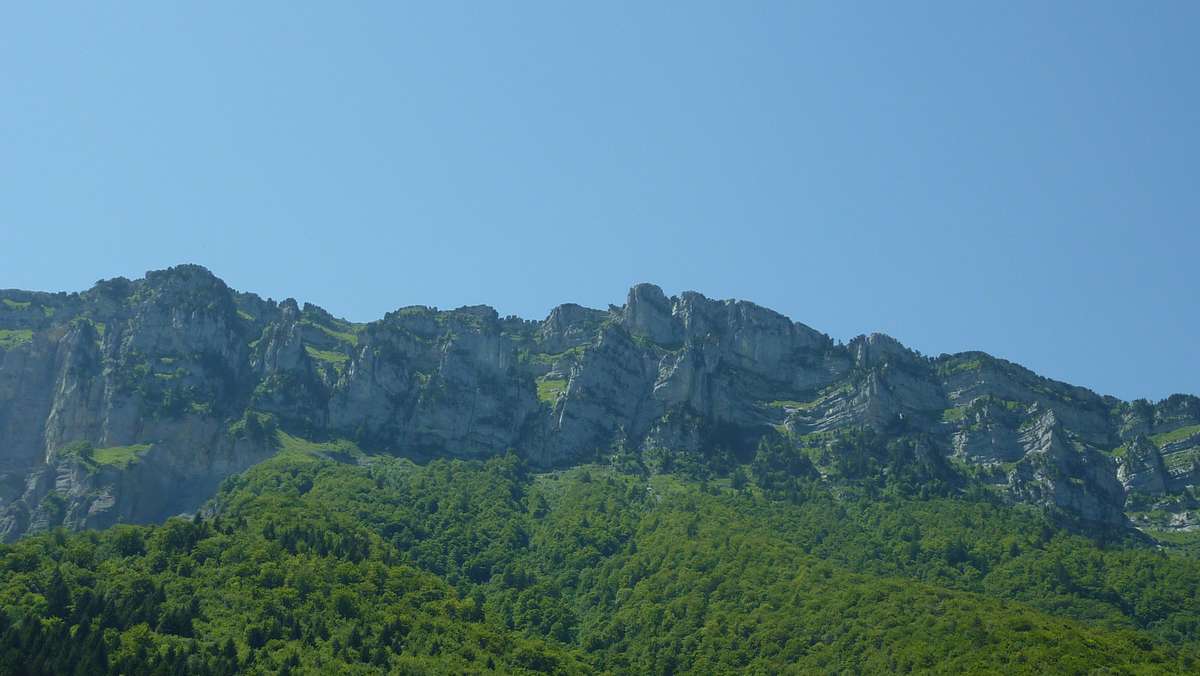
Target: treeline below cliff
325,559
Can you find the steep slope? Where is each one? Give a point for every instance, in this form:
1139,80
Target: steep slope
132,400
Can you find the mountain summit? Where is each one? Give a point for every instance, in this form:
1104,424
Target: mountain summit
132,401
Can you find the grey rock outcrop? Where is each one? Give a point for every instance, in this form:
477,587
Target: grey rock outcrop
155,374
1057,472
648,315
989,433
568,326
1141,468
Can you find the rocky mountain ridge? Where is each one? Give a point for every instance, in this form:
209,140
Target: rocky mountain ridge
133,400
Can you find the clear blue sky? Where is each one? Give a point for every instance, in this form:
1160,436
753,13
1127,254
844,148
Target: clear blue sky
1020,178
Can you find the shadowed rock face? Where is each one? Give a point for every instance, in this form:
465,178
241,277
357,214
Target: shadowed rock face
155,373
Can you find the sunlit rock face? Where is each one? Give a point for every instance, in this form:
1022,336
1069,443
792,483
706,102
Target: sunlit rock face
128,402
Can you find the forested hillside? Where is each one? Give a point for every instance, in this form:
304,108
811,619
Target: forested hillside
326,559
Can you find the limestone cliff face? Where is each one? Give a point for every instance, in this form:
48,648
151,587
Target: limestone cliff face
121,403
1058,471
1142,468
146,371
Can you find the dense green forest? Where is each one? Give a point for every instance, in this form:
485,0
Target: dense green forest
328,560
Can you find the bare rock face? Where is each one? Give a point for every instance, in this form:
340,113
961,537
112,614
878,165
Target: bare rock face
128,402
968,376
1057,473
1141,468
648,315
291,386
173,476
141,370
568,326
473,402
27,378
606,392
989,434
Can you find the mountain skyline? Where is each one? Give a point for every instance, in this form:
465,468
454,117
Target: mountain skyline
411,298
149,371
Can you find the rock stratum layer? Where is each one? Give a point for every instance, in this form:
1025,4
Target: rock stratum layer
133,400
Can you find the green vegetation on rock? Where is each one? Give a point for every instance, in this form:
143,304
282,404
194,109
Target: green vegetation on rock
1180,434
119,456
953,415
338,359
960,365
549,389
10,338
298,449
792,404
347,333
548,359
1182,459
